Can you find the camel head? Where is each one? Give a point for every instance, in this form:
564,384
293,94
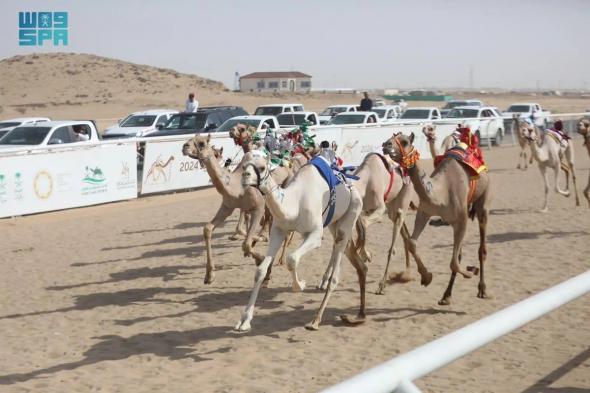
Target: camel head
242,134
256,169
584,127
401,149
430,132
198,147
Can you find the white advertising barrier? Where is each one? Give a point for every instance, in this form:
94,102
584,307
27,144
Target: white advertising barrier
165,168
57,179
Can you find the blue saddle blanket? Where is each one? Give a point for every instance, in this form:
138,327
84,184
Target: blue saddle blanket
323,167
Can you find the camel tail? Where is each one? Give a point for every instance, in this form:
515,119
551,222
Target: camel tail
472,212
361,231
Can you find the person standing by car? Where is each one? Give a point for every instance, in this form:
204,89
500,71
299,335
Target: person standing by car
366,103
191,104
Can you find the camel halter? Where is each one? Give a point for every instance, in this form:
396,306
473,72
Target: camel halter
259,179
408,160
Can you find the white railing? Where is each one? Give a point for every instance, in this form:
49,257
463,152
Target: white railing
397,374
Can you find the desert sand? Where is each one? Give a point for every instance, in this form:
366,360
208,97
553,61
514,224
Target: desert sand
111,299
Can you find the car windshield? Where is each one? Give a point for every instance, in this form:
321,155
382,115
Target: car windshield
25,136
463,113
291,119
519,108
454,104
268,111
138,121
229,124
416,114
186,121
333,111
6,124
380,112
348,119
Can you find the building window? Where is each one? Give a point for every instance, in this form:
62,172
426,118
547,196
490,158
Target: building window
305,84
273,85
283,84
260,85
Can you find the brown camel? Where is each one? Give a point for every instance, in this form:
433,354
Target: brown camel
446,193
552,153
584,130
234,196
382,189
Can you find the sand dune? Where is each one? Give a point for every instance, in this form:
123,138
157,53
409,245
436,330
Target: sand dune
111,298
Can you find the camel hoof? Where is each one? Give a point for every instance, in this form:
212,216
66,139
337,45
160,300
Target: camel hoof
299,286
544,210
473,269
400,277
444,301
235,237
209,277
484,295
353,321
242,326
426,279
265,282
312,326
380,291
261,239
322,286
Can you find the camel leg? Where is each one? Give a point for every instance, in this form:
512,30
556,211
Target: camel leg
398,220
276,238
482,218
249,242
240,232
519,159
425,275
459,234
587,190
361,271
311,241
220,217
543,170
556,171
286,244
419,225
569,158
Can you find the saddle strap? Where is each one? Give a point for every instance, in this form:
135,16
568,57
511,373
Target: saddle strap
471,194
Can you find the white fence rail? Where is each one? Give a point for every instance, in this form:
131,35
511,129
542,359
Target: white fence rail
397,374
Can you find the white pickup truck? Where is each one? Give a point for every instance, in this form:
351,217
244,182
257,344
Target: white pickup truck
327,114
70,132
260,122
528,110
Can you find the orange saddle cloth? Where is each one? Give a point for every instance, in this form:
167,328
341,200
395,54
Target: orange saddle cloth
465,156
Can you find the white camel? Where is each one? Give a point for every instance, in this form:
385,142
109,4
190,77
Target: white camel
297,208
554,154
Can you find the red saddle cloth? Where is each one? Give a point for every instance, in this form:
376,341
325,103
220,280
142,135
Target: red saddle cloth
466,156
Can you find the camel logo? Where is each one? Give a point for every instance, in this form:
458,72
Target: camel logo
160,171
346,153
93,176
43,185
125,181
125,169
18,186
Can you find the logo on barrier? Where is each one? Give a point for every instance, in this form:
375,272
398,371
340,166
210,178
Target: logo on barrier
2,188
43,185
95,181
18,186
160,171
125,181
36,28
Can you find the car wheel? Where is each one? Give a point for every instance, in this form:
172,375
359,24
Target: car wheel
498,139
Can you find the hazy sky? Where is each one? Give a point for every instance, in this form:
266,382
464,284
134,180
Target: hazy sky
414,43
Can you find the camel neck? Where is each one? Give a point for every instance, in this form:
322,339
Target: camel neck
432,147
539,151
423,184
218,178
280,201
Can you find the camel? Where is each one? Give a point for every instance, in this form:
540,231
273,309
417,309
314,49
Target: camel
449,141
234,196
382,188
448,192
519,126
550,153
584,130
301,207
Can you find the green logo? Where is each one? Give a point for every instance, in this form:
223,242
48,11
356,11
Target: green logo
93,176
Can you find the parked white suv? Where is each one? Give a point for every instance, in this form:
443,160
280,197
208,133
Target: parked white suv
486,122
10,124
277,109
387,113
333,110
74,132
355,118
139,123
421,113
295,119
